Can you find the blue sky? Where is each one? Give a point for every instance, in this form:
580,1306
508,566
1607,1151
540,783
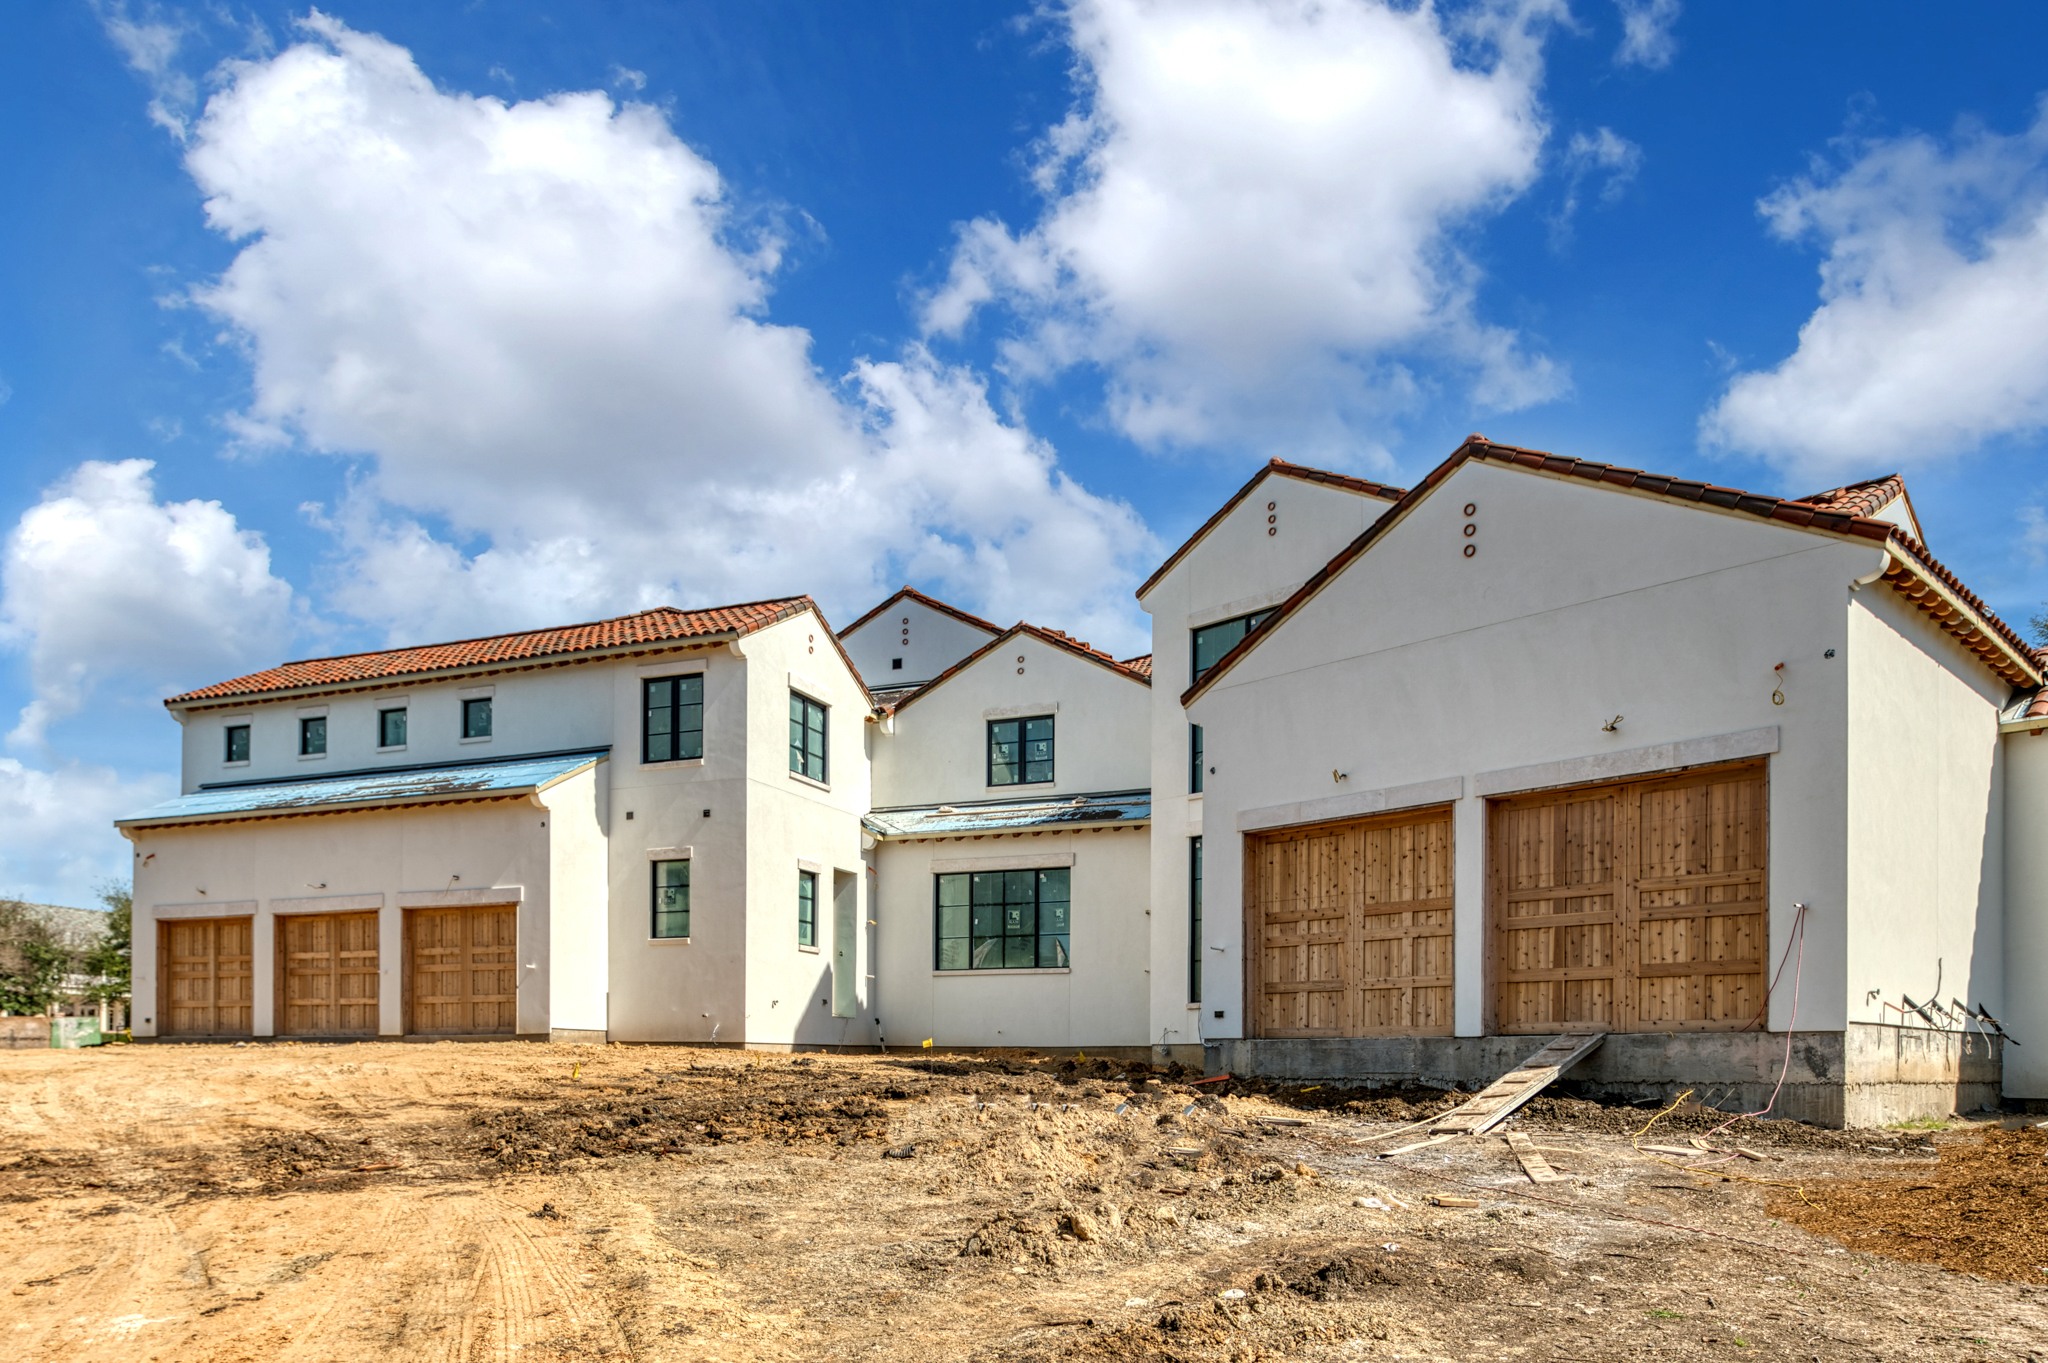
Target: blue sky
326,330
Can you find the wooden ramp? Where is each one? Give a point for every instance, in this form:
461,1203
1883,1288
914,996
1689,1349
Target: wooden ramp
1493,1104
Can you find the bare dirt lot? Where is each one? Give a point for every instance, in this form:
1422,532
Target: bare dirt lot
517,1202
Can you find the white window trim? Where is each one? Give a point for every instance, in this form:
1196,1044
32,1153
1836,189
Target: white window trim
808,951
816,868
809,780
243,763
396,747
676,762
1006,970
1044,707
1041,861
312,712
304,757
668,941
669,854
476,693
1026,785
481,738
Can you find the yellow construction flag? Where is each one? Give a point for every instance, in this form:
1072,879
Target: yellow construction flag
927,1043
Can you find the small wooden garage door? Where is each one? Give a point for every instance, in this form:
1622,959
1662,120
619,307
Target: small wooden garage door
204,966
1353,923
1635,907
462,970
327,972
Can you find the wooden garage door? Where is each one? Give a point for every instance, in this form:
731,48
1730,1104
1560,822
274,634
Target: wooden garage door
1632,908
1353,923
204,966
327,973
462,970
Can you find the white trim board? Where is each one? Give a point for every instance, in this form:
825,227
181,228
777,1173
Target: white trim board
328,903
1043,861
456,899
1352,804
226,908
1613,766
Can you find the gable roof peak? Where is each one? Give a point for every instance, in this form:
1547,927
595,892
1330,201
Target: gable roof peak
906,591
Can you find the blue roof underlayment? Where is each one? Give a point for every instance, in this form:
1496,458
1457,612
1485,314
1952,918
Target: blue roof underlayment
1003,816
359,790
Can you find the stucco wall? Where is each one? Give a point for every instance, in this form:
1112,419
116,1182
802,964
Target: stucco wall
927,641
576,911
2026,915
1420,666
1101,1001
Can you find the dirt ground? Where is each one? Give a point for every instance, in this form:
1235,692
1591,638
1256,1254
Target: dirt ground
518,1202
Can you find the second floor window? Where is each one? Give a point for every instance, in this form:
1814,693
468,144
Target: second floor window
806,737
1019,751
1194,759
807,908
1211,642
312,736
238,743
391,728
476,718
673,726
671,899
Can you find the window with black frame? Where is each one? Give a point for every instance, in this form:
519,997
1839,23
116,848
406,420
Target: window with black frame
672,724
238,743
1194,920
671,899
313,736
391,728
1020,751
1003,920
806,737
1211,642
807,908
1194,759
476,718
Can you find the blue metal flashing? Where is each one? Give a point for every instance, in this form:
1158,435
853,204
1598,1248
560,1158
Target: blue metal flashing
369,790
1113,808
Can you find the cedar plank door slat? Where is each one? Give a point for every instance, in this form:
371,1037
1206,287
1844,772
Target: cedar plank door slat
463,966
1666,929
208,975
1353,922
329,965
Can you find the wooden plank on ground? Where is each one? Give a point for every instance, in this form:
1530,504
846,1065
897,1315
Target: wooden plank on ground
1419,1145
1493,1104
1534,1165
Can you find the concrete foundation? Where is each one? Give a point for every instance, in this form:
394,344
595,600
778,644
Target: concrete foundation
1869,1075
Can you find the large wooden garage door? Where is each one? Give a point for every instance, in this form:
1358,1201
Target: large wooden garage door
1632,908
204,966
328,974
463,968
1353,923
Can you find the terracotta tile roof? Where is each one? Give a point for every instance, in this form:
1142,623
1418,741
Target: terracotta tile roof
660,625
1051,636
933,602
1929,585
1275,468
1866,498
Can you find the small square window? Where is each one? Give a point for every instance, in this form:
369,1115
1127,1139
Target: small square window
806,908
895,664
671,899
1020,751
238,743
476,718
312,736
391,728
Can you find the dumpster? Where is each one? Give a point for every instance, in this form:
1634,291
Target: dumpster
68,1034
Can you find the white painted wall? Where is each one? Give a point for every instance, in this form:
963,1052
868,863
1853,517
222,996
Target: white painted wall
925,641
575,908
1101,1001
2026,914
1581,602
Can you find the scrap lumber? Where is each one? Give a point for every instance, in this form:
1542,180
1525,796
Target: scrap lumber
1419,1145
1534,1165
1493,1104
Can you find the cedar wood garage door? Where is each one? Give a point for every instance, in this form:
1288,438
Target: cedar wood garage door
1353,922
203,965
327,974
462,970
1633,907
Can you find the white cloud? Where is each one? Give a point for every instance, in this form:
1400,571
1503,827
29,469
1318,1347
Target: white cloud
104,585
1646,33
150,47
1251,215
57,839
545,323
625,77
1932,332
1606,154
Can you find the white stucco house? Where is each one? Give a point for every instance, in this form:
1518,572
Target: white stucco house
1410,777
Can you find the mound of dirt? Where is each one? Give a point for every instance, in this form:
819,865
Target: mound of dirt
1983,1211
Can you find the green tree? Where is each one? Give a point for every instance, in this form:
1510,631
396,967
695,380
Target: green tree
33,961
108,960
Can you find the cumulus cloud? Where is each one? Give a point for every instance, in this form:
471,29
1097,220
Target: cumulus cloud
149,44
103,584
545,322
1932,331
1251,215
1646,33
57,838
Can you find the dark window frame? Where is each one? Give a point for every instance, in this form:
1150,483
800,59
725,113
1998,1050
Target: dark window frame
801,733
312,729
470,709
384,727
1195,919
655,908
1244,624
1043,931
228,742
674,708
807,908
1194,759
1024,763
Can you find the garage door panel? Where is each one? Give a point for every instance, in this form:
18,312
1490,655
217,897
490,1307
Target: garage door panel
463,969
207,972
329,975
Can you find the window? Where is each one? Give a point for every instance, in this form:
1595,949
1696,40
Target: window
673,725
476,718
807,908
1194,759
391,728
1003,920
1194,920
671,899
312,735
1019,751
238,743
1213,641
895,664
806,737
